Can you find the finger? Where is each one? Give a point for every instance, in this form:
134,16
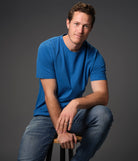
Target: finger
70,125
72,144
62,146
61,125
68,145
74,138
65,126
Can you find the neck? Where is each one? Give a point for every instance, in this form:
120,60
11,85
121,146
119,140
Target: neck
71,46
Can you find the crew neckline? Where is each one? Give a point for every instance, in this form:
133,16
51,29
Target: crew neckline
73,52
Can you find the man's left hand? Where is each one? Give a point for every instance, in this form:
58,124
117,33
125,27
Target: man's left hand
65,119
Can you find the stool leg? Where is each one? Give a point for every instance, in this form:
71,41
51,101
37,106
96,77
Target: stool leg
48,158
62,154
70,154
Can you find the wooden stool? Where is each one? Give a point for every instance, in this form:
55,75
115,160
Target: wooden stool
62,151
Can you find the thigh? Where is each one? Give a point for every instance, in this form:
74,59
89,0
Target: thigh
93,124
37,139
99,115
79,122
91,117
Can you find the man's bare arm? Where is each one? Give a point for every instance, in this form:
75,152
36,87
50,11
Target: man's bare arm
66,139
98,97
54,109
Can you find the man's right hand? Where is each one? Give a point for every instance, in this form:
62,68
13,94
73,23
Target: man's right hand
67,140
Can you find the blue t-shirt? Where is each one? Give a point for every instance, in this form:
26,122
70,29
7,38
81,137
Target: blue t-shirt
70,69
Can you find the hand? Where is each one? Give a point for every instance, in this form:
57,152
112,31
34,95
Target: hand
67,140
65,119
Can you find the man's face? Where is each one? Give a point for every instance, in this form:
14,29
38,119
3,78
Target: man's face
79,27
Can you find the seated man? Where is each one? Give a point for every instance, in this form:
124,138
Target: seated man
64,65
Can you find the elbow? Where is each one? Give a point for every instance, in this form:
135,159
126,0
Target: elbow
105,100
105,103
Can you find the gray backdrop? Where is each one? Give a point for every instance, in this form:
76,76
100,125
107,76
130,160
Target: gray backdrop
24,25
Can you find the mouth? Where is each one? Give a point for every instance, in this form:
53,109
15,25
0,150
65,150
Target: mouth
78,36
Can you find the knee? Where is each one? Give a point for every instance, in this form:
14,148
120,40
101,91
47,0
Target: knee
102,115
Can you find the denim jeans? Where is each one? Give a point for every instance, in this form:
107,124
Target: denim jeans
92,124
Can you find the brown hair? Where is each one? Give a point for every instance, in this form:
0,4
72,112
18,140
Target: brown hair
82,7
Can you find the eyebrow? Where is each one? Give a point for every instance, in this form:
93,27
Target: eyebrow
80,23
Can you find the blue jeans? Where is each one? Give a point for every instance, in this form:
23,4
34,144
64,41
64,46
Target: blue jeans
93,125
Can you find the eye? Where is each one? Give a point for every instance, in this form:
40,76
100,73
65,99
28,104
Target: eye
76,23
86,26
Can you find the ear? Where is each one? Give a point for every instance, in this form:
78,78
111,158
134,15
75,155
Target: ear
67,23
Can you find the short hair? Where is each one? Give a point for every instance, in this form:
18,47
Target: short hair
82,7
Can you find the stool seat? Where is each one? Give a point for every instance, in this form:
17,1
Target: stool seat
79,138
62,151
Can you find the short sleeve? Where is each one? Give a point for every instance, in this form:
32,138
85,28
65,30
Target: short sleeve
45,64
98,71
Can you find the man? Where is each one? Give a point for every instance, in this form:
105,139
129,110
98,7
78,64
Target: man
64,64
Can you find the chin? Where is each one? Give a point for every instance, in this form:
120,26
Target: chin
78,42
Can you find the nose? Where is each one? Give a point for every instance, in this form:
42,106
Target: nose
80,29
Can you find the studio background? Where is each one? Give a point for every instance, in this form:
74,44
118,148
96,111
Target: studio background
24,24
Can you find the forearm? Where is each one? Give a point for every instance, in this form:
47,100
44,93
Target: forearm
66,139
91,100
69,112
54,108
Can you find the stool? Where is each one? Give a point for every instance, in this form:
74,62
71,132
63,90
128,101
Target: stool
62,151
